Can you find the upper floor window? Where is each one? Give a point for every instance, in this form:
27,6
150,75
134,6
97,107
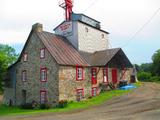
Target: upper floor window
43,74
94,75
25,57
24,75
102,36
79,73
86,29
42,53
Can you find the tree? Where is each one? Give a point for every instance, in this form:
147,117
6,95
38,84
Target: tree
156,63
7,57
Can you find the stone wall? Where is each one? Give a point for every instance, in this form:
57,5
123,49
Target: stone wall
68,83
33,85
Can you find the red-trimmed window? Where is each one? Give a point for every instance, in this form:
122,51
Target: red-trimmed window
79,73
25,57
42,53
94,75
94,91
43,96
105,75
43,74
80,94
24,75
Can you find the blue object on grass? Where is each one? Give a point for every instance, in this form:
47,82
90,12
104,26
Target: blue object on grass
127,87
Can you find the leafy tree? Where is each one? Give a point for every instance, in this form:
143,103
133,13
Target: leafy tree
156,63
144,76
146,67
7,57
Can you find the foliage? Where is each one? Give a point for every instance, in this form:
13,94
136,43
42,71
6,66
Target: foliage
7,57
146,67
144,76
45,106
100,99
156,63
62,103
27,106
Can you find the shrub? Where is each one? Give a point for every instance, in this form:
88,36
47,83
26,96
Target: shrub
62,103
155,79
144,76
27,106
45,106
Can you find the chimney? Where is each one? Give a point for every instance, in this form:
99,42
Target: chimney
37,27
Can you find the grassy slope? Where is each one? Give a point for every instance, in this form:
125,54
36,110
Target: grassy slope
100,99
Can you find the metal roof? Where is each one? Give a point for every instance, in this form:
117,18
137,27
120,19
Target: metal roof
62,51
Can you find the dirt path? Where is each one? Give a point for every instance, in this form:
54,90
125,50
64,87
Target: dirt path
142,104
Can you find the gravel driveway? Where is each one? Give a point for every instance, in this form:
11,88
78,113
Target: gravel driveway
142,104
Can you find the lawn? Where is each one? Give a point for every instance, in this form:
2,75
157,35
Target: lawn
100,99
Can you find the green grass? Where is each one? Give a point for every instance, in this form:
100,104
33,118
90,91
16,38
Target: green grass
100,99
138,84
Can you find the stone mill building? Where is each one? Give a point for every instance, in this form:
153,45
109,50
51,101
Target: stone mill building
73,63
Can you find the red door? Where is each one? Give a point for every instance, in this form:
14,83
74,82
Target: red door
114,75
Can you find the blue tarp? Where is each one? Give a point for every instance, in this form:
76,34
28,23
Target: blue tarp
127,87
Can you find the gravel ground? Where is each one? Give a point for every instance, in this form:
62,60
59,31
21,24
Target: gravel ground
142,104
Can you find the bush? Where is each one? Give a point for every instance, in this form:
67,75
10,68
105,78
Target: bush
155,79
144,76
62,103
27,106
45,106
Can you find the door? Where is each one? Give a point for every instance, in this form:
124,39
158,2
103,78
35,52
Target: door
114,75
24,94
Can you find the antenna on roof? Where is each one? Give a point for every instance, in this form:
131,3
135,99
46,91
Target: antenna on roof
67,5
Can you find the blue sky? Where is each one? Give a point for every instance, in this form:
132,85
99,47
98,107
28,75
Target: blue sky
121,18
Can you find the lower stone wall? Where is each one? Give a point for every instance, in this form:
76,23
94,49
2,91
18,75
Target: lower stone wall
68,84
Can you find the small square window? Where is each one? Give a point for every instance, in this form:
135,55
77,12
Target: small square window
25,57
86,29
42,53
102,36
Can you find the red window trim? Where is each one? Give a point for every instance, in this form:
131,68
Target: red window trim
82,91
93,92
22,75
106,68
43,68
44,53
77,67
45,91
94,80
24,57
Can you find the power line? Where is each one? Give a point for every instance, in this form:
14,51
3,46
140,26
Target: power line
93,3
142,27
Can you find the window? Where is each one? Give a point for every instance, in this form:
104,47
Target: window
79,73
80,94
94,91
42,53
86,29
43,96
24,75
94,75
102,36
105,75
43,74
25,57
